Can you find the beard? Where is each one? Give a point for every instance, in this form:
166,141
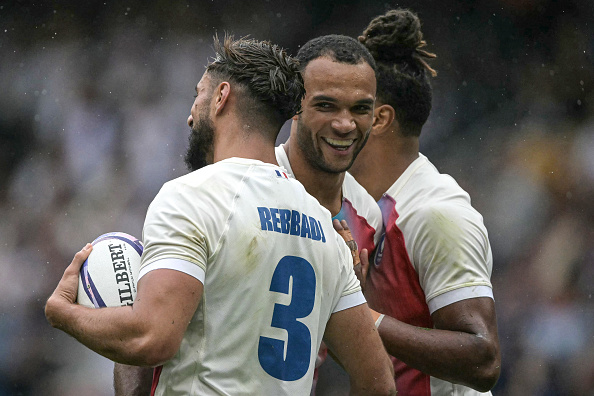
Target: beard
201,148
315,156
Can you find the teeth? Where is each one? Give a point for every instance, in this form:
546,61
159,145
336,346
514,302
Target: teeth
339,143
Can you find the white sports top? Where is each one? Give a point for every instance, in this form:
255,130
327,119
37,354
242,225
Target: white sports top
435,251
273,270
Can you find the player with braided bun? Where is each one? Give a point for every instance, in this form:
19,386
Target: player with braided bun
397,36
242,274
395,40
431,273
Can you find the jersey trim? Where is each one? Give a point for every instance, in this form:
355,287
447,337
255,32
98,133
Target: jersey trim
464,293
156,376
175,264
283,159
349,301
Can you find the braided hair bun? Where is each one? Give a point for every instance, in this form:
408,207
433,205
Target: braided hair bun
396,37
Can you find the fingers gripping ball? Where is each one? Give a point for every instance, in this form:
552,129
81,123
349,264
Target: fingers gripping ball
109,275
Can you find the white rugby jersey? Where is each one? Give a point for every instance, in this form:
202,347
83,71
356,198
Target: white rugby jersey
361,213
273,270
435,251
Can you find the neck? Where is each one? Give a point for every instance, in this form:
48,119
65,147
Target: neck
242,141
383,160
324,186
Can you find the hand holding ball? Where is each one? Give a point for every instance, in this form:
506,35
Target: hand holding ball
108,277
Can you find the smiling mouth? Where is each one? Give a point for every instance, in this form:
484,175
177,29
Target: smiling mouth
339,144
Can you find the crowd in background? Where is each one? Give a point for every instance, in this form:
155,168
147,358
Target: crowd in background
93,121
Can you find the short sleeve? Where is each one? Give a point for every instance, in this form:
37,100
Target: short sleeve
451,252
173,230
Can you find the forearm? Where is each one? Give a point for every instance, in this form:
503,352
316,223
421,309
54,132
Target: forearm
351,336
132,380
147,333
381,389
455,356
111,332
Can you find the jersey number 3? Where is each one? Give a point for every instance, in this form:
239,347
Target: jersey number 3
271,352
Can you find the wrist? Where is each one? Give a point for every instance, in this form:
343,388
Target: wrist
54,308
50,309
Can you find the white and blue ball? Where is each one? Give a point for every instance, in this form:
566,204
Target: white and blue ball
108,277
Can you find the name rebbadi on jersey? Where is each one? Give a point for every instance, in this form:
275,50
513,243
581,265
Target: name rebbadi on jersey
292,222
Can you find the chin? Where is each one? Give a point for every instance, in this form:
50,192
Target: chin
338,167
341,164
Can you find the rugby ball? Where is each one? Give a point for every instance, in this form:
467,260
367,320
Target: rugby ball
109,275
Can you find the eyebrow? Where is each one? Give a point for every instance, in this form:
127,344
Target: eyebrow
331,99
324,98
366,101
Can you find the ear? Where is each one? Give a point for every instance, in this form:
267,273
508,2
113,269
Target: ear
222,94
383,118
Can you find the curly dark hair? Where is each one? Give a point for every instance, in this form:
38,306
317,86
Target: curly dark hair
342,49
395,40
270,77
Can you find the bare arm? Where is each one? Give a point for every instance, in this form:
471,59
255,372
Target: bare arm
132,380
463,348
352,337
145,334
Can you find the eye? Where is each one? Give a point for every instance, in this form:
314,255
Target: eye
324,106
362,109
195,96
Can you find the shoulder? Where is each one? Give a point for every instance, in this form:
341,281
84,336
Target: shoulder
447,215
425,179
433,204
191,182
217,182
362,202
422,189
451,216
283,159
355,192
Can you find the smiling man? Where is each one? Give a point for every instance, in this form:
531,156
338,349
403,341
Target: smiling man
226,303
332,128
337,115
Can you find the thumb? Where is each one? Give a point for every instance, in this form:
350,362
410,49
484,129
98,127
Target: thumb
79,258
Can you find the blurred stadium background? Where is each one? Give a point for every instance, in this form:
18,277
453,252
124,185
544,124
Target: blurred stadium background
93,113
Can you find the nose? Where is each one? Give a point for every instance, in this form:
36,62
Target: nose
190,121
343,123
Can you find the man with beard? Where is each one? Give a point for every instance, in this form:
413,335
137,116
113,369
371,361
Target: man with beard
242,274
336,117
200,149
332,128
